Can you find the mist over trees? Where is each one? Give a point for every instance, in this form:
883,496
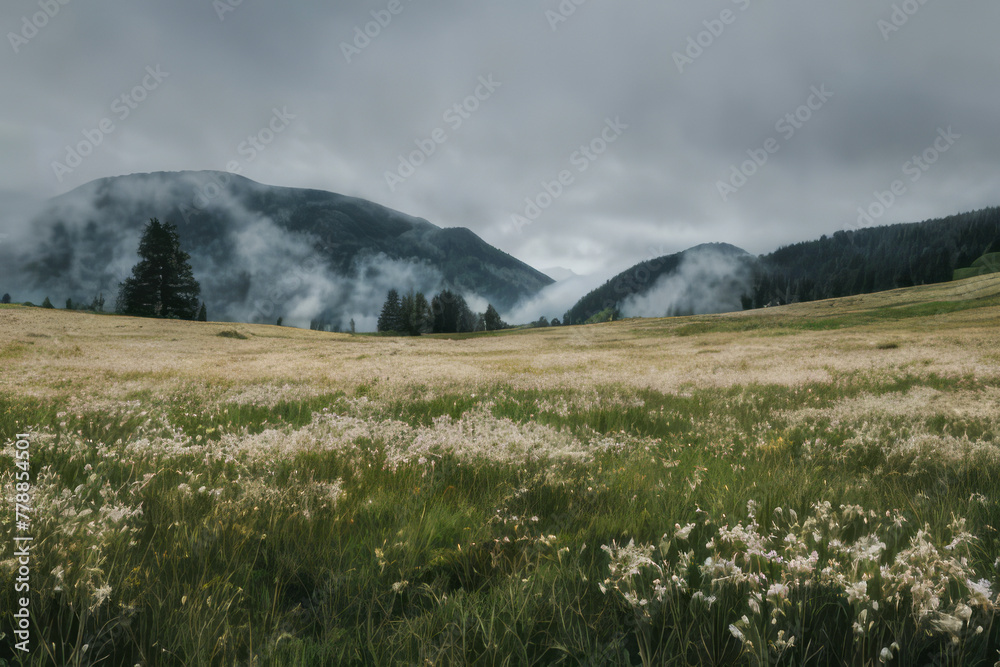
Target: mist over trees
162,284
707,275
259,252
491,319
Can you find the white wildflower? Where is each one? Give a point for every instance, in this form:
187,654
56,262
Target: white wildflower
100,596
778,591
683,533
857,593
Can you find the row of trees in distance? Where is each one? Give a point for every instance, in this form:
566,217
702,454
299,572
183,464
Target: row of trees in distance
162,285
448,312
95,306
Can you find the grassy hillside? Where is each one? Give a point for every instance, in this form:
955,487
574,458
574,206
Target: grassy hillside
814,483
988,263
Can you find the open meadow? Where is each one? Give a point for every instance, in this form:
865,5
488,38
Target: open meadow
811,484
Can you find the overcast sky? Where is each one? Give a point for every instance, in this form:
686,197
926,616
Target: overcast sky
669,98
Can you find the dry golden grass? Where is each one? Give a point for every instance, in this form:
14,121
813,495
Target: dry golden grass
52,352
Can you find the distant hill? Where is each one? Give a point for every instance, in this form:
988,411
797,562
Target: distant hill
848,263
708,278
259,251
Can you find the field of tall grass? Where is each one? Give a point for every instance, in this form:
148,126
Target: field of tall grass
824,489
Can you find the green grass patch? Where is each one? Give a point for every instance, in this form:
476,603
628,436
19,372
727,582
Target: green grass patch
773,324
232,333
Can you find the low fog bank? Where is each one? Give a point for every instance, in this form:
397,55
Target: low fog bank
707,280
553,300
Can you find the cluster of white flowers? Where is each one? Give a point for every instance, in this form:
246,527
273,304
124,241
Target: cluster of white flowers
566,404
80,531
774,574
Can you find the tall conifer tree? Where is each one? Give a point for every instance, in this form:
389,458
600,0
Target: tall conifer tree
162,283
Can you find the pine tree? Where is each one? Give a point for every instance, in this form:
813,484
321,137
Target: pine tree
6,298
451,314
47,303
492,319
69,304
162,283
389,319
203,313
423,318
407,314
415,315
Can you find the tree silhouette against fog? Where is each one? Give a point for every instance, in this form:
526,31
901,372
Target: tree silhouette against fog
162,283
451,314
491,318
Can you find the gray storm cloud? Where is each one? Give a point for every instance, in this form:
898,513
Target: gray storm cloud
354,117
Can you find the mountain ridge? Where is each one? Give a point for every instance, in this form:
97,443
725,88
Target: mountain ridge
261,251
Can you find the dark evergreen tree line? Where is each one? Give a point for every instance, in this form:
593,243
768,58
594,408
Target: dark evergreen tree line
447,312
874,259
